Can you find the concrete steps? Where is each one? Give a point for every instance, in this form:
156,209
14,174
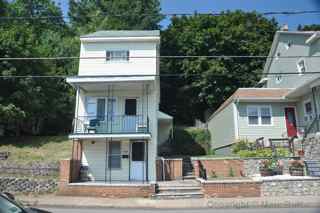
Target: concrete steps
178,190
313,167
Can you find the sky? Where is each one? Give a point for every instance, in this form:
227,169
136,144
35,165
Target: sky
190,6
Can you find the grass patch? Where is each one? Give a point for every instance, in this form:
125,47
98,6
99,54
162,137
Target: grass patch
30,149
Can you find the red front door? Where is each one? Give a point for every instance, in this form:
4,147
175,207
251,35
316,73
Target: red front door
291,121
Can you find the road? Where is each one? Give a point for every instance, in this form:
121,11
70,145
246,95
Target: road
112,210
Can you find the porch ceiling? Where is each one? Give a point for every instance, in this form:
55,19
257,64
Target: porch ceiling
101,83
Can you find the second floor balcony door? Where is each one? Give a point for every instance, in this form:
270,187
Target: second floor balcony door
130,120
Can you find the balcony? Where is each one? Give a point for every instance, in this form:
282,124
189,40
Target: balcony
111,124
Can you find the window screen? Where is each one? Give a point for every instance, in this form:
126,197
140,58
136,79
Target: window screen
253,115
117,55
115,155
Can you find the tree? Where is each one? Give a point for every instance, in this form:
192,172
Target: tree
34,103
312,27
90,15
208,82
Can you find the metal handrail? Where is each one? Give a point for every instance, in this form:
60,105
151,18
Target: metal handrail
107,124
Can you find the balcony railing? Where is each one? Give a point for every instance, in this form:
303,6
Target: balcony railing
112,124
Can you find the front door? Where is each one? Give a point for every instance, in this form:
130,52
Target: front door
130,115
291,124
137,166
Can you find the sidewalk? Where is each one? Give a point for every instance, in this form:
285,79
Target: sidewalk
68,201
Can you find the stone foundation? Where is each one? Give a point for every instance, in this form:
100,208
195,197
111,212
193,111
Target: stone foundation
27,185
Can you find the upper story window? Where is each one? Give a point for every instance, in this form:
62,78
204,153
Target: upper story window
259,115
301,65
117,55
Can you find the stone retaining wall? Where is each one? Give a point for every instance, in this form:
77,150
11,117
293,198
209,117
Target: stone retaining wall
312,147
27,185
33,169
290,188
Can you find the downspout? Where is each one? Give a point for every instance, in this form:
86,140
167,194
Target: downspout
313,89
237,113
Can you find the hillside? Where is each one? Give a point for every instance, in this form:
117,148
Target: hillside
26,149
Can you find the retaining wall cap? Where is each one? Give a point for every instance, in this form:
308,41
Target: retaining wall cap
286,178
228,181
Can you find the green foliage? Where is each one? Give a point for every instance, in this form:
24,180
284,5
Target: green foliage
35,104
266,152
312,27
231,172
187,141
241,145
232,33
31,149
88,16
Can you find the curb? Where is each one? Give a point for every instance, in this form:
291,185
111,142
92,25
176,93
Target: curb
210,203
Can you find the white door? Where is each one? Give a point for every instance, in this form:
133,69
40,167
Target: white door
138,165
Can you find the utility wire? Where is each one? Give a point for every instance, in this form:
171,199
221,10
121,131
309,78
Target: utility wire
153,57
163,14
151,75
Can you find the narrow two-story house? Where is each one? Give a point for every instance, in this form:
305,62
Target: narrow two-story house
117,115
284,105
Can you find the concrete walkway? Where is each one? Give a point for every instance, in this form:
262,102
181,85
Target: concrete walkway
85,202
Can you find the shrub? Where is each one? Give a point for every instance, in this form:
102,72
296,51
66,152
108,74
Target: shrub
241,145
213,174
266,152
231,172
187,141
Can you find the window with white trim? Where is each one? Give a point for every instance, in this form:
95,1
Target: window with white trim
259,115
253,115
117,55
308,111
265,113
114,159
301,65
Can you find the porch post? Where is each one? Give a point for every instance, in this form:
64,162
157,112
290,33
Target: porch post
147,160
313,89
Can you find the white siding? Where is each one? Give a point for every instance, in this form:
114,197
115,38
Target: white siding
135,66
95,157
222,128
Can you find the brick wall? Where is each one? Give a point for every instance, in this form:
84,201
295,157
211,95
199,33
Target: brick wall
109,191
172,168
232,189
221,167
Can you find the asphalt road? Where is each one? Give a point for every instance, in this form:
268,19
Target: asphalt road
110,210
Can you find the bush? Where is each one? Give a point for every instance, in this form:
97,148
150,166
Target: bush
241,145
187,141
266,152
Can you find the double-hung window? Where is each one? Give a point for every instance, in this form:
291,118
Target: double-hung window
253,115
117,55
114,159
259,115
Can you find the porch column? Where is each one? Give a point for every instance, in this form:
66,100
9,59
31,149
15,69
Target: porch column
313,89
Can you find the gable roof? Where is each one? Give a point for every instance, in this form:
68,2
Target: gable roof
274,46
254,94
122,33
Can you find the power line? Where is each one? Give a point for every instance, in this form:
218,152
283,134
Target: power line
146,75
157,57
288,13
